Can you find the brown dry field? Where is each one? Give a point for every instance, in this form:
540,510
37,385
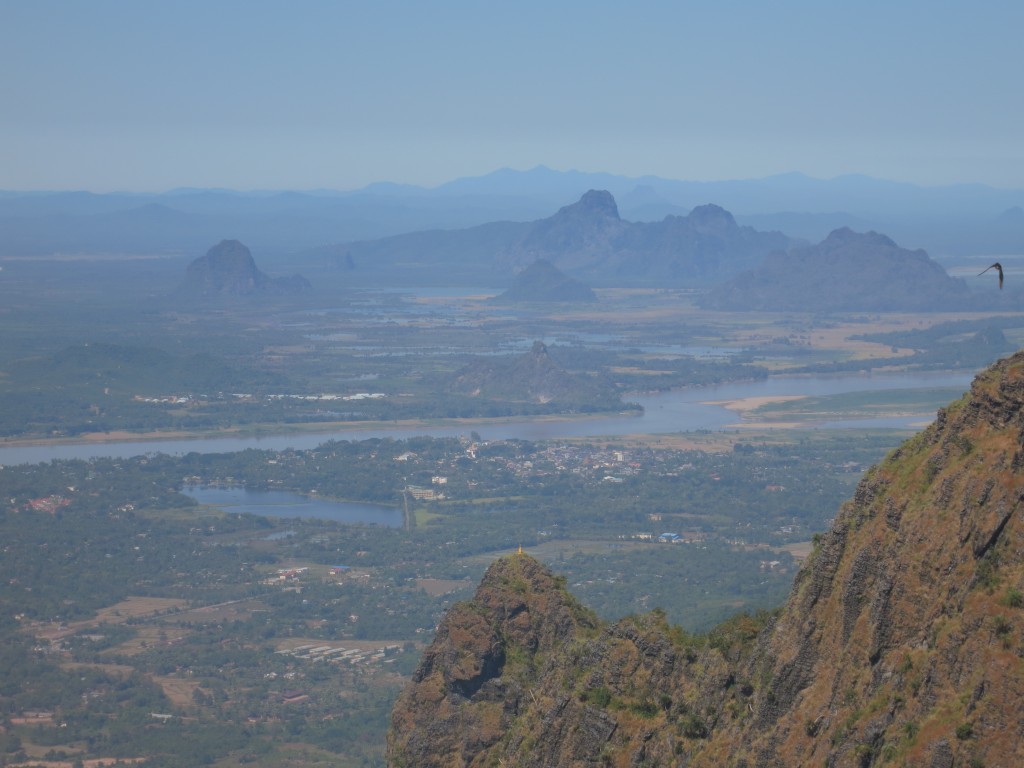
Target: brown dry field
37,718
129,608
150,636
800,550
98,762
178,690
229,611
113,670
137,607
838,336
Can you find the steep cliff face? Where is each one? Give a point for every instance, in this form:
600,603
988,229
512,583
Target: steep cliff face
902,637
478,675
901,642
589,241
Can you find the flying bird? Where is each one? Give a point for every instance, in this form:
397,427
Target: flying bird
998,268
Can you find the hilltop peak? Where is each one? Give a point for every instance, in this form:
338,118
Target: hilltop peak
598,202
845,236
900,642
597,206
228,269
712,216
478,671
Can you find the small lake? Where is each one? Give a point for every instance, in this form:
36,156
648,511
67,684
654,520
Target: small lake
286,504
681,410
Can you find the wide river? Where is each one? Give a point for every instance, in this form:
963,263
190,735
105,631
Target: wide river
685,410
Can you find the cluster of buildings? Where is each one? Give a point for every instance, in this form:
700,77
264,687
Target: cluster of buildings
249,397
582,459
48,504
670,538
329,397
339,654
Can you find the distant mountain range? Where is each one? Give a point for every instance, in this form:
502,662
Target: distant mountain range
587,243
946,220
586,240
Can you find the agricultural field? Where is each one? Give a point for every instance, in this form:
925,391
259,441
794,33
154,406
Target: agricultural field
158,622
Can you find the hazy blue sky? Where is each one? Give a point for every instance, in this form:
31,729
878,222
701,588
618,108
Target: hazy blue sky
148,95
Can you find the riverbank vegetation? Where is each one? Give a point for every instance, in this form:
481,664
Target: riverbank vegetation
97,347
136,625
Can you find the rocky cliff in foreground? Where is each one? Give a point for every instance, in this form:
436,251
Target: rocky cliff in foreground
901,643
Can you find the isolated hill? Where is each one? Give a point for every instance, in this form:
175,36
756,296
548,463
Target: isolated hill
846,271
543,281
228,269
900,642
533,377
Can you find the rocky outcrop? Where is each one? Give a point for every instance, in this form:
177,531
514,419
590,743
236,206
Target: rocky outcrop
900,643
481,670
848,271
588,240
575,236
228,269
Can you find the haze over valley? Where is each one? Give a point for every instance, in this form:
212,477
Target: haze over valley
544,385
423,367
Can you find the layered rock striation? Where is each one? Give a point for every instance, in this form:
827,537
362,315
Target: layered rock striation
900,644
